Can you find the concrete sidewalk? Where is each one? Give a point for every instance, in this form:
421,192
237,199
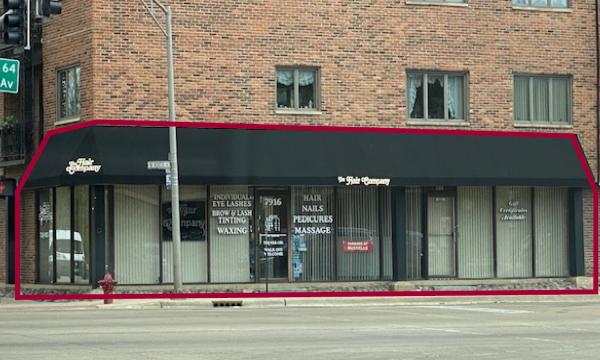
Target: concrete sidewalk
205,304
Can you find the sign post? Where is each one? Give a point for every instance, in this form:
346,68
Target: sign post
9,76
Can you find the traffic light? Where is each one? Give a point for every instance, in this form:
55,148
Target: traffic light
48,7
14,21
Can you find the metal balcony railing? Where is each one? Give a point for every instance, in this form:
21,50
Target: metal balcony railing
12,144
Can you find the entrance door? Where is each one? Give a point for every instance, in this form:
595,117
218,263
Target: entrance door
273,233
441,239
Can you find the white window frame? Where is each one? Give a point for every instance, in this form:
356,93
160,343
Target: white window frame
295,109
425,76
550,121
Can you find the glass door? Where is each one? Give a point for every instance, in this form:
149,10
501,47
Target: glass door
273,233
441,239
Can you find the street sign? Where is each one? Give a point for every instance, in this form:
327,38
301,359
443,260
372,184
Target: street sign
9,76
159,165
168,180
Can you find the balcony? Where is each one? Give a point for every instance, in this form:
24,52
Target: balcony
12,143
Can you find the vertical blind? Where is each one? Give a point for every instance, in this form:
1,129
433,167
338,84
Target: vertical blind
229,254
357,220
136,223
551,232
316,251
414,234
194,263
475,232
513,234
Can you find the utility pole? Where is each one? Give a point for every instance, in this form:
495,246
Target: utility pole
176,231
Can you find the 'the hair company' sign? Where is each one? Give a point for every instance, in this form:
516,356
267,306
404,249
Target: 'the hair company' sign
82,165
365,180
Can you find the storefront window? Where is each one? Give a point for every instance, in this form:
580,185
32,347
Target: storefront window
385,214
45,226
358,243
475,232
136,229
232,257
192,211
414,233
551,232
513,232
62,237
81,232
313,233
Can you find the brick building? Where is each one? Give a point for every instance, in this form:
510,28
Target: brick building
521,65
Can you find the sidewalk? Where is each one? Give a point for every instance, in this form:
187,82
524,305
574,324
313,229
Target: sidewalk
206,304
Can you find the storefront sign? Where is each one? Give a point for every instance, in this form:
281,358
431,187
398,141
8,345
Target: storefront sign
82,165
365,180
231,213
513,212
312,220
357,246
273,244
192,224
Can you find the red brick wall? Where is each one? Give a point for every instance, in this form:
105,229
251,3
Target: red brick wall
2,242
226,53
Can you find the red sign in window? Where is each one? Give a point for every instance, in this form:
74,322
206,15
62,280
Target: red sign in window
357,246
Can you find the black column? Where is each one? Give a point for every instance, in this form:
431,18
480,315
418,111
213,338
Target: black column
398,234
9,231
98,233
576,256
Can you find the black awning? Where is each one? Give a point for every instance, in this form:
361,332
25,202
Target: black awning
302,157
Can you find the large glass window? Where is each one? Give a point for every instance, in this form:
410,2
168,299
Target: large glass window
542,99
81,233
551,232
560,4
513,232
68,94
436,96
232,253
192,211
45,226
297,88
414,233
358,235
475,232
62,236
136,229
313,233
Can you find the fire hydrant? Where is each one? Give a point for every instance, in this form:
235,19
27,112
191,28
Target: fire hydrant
108,286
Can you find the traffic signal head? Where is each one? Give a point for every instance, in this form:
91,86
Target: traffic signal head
50,7
14,21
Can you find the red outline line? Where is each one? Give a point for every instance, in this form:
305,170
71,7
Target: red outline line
210,125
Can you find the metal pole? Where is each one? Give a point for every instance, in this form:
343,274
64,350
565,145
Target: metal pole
173,158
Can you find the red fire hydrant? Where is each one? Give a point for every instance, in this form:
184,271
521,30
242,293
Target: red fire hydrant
108,286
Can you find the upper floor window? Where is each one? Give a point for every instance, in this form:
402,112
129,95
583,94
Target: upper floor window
561,4
440,1
68,94
297,88
437,96
542,99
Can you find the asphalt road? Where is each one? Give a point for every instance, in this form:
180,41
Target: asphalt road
481,331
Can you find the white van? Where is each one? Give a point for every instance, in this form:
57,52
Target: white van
63,258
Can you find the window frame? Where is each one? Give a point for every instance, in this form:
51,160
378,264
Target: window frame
437,2
68,70
425,74
548,5
317,93
530,77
